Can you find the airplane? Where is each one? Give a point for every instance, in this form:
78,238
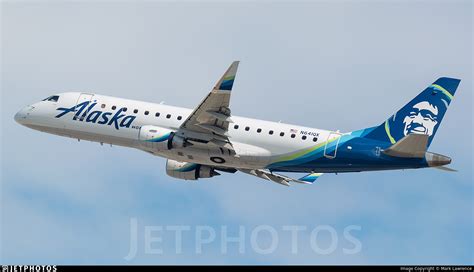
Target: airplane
208,140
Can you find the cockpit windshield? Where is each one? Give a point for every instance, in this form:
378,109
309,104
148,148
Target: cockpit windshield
53,98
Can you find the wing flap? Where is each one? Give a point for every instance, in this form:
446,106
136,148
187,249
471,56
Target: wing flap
220,116
216,129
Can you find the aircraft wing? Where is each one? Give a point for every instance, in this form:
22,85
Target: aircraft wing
281,179
209,122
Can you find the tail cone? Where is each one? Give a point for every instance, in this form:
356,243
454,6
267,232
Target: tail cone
434,159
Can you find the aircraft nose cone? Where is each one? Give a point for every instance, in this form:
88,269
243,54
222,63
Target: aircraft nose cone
20,117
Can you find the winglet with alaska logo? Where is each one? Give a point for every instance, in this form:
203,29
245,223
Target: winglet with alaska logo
310,178
227,80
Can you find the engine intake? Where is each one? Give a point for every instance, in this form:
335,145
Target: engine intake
158,138
188,170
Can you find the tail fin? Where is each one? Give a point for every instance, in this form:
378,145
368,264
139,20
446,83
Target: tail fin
422,115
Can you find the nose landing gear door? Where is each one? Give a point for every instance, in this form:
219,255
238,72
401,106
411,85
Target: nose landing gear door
83,97
332,142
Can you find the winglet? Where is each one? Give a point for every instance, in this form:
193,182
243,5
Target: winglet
310,178
227,80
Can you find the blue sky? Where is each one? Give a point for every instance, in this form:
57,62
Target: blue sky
331,65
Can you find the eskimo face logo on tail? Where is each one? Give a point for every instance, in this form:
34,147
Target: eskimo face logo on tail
422,115
84,112
422,119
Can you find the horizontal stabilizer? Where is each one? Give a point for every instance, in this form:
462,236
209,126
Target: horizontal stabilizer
444,168
410,146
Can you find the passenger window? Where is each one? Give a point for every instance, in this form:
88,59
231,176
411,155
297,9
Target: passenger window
259,130
236,126
247,128
303,137
157,114
124,109
102,106
282,134
114,107
147,112
270,132
179,117
315,139
293,135
168,116
135,111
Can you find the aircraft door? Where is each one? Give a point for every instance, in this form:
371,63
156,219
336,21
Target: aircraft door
84,97
332,142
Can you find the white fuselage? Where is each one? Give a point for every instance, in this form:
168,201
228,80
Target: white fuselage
256,142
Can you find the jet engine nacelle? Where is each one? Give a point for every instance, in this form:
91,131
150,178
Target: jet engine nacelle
158,138
188,170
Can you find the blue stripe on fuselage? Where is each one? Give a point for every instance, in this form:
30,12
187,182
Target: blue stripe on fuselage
353,154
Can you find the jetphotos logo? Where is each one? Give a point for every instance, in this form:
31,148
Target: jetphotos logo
84,112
